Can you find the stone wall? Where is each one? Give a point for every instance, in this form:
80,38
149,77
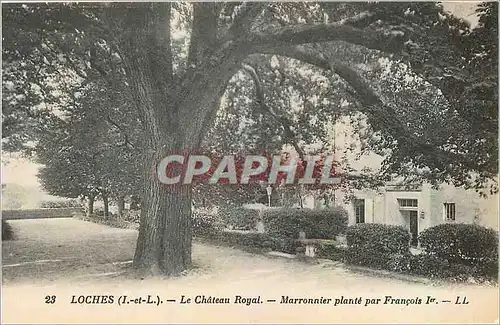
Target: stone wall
41,213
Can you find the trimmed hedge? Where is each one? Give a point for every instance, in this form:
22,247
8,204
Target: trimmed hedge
73,203
434,267
7,232
470,246
253,241
460,243
323,224
238,217
376,245
399,262
115,223
204,223
331,251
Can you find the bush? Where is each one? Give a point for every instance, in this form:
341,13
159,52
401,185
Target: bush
323,224
257,241
487,269
251,239
433,267
99,212
7,232
61,204
239,217
430,266
399,262
115,223
205,223
461,243
376,245
285,245
131,215
331,251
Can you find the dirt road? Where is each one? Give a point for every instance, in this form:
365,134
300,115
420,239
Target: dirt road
67,257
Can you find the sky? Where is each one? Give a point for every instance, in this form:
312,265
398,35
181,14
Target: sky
463,10
23,172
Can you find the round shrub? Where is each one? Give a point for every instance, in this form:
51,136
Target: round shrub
323,224
429,266
374,245
399,262
434,267
7,232
488,269
461,243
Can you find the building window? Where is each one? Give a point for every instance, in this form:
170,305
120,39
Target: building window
449,211
359,210
408,203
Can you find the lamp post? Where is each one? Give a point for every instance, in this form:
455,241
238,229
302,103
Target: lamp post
269,190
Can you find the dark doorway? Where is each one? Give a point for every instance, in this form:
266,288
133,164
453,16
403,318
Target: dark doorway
414,227
359,210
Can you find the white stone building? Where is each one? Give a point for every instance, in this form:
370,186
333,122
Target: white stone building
416,208
419,207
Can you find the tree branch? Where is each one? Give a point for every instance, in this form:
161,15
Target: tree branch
245,17
385,116
204,32
126,141
285,124
162,38
362,17
338,31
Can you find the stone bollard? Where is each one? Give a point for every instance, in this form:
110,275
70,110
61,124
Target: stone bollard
310,249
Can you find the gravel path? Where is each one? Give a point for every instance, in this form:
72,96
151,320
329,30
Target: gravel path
67,257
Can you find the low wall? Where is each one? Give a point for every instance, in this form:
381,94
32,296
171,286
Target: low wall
41,213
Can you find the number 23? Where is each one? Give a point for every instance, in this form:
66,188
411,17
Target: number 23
50,299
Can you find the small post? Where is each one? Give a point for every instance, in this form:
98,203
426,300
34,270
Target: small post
260,222
269,190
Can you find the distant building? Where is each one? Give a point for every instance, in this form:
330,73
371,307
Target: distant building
419,207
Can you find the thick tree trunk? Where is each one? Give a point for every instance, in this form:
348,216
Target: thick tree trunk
90,205
105,201
164,243
175,114
120,202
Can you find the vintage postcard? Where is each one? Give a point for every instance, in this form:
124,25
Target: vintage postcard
249,162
